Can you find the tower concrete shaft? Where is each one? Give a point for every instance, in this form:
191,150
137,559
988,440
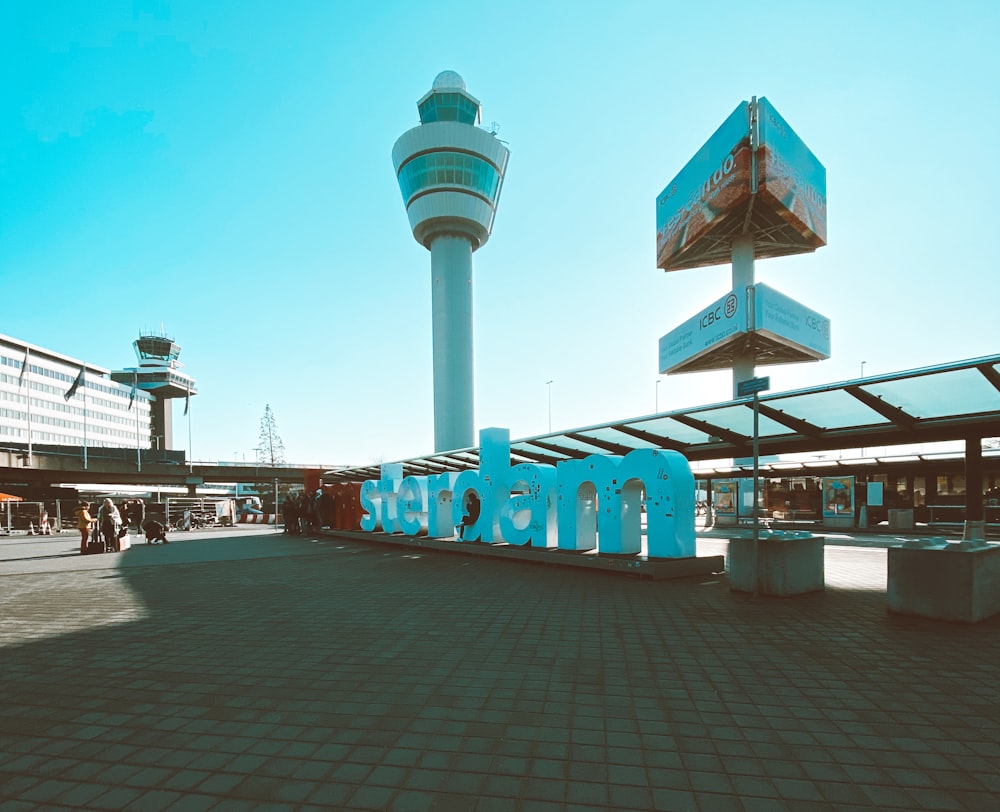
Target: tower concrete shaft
454,376
450,173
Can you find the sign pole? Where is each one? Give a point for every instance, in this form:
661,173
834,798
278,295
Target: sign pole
756,485
754,386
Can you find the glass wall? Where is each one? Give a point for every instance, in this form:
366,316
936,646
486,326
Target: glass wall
449,107
449,169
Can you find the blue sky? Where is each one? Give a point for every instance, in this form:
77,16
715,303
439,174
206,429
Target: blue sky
223,170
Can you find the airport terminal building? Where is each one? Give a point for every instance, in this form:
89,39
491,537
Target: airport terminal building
53,399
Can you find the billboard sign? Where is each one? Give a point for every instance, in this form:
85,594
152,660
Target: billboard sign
789,323
754,176
713,184
791,175
721,323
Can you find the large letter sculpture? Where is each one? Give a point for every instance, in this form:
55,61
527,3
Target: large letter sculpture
593,503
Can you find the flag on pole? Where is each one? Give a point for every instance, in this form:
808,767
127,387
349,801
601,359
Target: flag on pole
24,368
187,399
135,385
76,385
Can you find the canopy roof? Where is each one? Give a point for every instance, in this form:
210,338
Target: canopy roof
951,401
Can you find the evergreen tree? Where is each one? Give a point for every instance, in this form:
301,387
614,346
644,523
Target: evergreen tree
270,449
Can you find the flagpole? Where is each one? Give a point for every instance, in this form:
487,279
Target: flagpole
138,441
83,379
187,408
24,375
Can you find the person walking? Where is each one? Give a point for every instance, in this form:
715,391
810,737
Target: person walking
84,521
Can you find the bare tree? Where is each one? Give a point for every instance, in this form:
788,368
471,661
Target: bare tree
270,450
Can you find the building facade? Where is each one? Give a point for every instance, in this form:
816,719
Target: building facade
47,398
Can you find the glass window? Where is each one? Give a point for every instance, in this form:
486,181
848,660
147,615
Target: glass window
454,169
448,107
947,393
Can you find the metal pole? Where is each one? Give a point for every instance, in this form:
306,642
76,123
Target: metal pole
83,379
190,452
657,396
549,385
138,441
756,485
25,371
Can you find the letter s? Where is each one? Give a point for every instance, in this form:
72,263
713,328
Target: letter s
370,500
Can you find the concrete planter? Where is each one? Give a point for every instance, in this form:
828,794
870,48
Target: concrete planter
790,564
935,579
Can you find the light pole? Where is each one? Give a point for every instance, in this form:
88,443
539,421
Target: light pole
549,385
657,395
863,368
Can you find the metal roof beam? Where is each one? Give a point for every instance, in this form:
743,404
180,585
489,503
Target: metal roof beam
891,413
727,436
531,455
573,453
614,448
796,424
649,437
990,374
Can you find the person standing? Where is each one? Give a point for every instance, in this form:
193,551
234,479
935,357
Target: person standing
84,521
108,522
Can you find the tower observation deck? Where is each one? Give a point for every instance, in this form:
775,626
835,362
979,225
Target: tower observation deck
450,173
159,373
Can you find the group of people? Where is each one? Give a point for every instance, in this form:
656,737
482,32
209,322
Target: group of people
111,524
303,513
107,527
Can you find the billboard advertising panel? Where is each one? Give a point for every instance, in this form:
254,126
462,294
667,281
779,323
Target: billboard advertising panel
725,497
838,496
721,323
789,173
787,322
713,184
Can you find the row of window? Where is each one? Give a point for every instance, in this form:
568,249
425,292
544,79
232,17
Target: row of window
65,439
98,385
66,408
51,373
448,107
141,417
456,169
72,425
116,405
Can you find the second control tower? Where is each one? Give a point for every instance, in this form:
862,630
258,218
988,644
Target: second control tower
159,373
450,172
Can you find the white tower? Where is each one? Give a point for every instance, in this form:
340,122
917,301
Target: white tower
450,172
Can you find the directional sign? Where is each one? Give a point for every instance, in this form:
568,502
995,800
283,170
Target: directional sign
751,385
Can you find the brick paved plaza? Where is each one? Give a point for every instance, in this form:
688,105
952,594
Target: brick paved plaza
243,668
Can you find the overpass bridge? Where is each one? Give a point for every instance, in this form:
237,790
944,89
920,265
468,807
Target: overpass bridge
122,466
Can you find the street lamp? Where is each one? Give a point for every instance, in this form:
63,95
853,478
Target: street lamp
549,385
863,368
657,395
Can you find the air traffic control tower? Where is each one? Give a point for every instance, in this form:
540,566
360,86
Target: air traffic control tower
450,173
159,373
